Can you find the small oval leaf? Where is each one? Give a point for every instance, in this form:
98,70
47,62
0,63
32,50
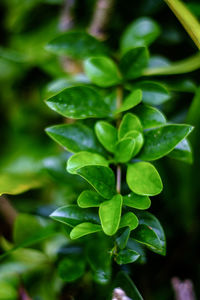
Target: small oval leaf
134,62
107,135
73,215
84,229
127,256
110,214
162,140
79,102
77,45
101,178
149,116
102,71
130,101
142,32
75,137
129,220
89,199
83,159
143,179
136,201
129,123
124,150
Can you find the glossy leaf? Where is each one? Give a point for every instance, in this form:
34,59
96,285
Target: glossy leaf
14,184
127,256
138,138
123,237
71,269
142,32
101,178
129,220
78,45
129,123
124,150
182,152
133,99
136,201
89,199
153,93
149,116
106,134
162,140
110,214
143,179
75,137
73,215
84,229
83,159
79,102
134,62
102,71
150,232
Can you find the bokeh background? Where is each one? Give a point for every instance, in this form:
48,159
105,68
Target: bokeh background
35,165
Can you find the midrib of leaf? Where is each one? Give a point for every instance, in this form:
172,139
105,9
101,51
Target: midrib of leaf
187,19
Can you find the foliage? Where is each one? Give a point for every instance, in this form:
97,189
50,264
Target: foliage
117,124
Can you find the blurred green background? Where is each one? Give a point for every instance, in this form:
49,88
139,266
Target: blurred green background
35,166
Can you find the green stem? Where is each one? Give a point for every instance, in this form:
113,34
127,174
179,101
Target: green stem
118,173
187,19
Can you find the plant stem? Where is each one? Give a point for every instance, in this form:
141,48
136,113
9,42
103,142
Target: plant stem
118,182
101,16
67,16
118,104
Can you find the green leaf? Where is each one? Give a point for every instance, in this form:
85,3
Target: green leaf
101,178
77,45
153,92
129,123
142,32
73,215
162,140
13,184
83,159
129,220
133,99
134,62
136,201
84,229
106,134
89,199
149,116
110,214
75,137
127,256
79,102
188,20
124,150
150,232
123,237
102,71
99,259
124,281
182,152
70,269
186,65
138,138
143,179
